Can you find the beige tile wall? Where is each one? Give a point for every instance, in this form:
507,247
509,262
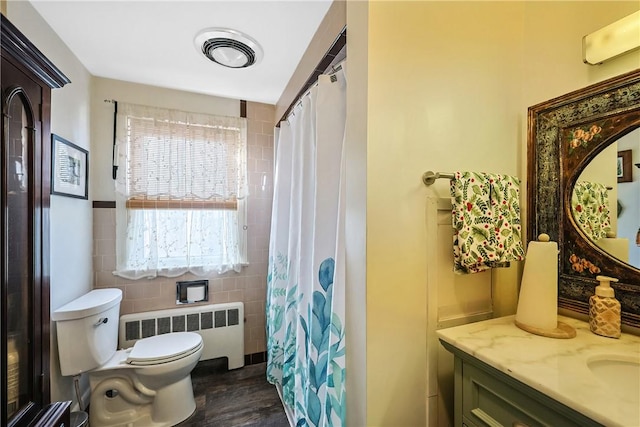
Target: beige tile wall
249,286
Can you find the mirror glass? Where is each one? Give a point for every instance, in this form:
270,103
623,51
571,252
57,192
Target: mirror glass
608,211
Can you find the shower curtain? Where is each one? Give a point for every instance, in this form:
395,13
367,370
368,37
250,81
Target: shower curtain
305,284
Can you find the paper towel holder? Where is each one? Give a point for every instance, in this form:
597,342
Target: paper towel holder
182,291
537,311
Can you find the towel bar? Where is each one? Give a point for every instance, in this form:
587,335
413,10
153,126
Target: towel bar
430,177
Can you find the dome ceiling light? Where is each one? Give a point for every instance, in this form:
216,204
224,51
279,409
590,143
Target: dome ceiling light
229,48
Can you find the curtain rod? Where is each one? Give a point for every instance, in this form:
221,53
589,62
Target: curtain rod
325,62
114,166
334,70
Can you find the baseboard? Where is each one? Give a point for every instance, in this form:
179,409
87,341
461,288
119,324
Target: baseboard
255,358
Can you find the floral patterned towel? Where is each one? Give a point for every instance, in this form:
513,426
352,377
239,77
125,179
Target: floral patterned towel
590,205
486,221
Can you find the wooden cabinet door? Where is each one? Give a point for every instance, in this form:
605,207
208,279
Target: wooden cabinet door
21,249
27,78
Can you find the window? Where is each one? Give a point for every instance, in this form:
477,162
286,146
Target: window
181,192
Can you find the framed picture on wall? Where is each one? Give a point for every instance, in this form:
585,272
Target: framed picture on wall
624,166
69,169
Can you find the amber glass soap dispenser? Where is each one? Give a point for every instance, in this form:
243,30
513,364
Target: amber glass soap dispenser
604,309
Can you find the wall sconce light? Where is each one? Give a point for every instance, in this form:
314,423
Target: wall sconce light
638,165
613,40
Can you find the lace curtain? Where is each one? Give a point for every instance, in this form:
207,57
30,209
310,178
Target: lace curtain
181,192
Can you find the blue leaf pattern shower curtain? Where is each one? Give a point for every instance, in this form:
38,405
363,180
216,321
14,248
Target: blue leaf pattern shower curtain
305,290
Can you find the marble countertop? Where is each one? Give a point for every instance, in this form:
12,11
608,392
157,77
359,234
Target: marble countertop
556,367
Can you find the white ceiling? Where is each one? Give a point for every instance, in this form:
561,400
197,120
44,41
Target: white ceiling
152,42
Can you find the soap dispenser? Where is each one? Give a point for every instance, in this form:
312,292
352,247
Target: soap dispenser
604,309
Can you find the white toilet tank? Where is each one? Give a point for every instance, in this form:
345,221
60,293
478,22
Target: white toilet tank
88,330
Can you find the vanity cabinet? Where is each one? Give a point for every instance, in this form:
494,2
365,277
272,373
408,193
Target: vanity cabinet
27,78
485,396
505,376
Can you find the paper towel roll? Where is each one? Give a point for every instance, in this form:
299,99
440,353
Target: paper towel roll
195,293
538,302
616,246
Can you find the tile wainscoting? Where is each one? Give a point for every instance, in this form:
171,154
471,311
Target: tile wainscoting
249,286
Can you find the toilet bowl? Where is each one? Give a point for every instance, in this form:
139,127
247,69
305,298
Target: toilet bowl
147,385
154,382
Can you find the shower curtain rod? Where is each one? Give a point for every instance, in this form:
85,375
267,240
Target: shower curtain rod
338,44
334,70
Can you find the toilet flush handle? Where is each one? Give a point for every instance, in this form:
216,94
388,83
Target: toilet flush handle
101,321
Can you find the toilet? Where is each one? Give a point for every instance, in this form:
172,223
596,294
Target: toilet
146,385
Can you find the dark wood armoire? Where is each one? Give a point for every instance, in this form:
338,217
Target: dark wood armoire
25,175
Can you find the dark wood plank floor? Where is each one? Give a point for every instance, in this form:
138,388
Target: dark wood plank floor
241,397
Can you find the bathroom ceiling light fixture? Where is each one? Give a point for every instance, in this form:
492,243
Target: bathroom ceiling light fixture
229,48
613,40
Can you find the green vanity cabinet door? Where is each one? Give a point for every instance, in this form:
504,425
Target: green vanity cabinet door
487,401
487,397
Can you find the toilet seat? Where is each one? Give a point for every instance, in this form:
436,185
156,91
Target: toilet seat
164,348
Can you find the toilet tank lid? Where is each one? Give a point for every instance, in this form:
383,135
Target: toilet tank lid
89,304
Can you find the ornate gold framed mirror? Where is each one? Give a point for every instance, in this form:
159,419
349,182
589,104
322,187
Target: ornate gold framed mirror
565,136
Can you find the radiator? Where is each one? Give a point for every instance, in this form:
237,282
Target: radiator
220,325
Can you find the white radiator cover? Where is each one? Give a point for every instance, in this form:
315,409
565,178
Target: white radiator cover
220,325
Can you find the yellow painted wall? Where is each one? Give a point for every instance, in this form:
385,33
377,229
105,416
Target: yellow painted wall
449,84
